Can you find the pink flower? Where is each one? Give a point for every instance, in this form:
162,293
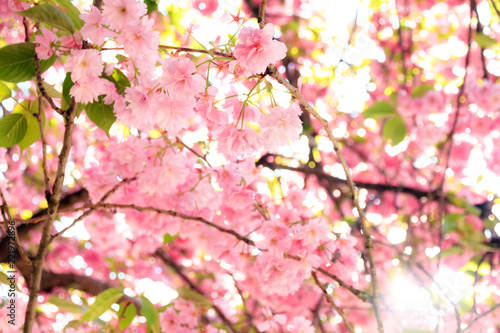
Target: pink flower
84,65
272,323
180,77
88,91
123,13
256,49
138,98
93,29
281,126
165,175
234,142
300,325
314,233
141,39
173,113
45,42
189,31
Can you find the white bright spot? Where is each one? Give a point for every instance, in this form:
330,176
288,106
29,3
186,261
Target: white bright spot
396,235
78,262
431,252
77,231
156,291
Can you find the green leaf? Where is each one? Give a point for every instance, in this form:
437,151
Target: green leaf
152,5
66,87
5,92
72,12
51,91
12,129
72,324
4,278
463,203
451,222
126,314
421,90
51,15
101,114
395,130
168,238
485,41
149,311
379,110
119,79
65,305
102,303
451,251
17,62
187,293
28,109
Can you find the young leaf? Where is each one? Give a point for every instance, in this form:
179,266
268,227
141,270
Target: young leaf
484,41
17,62
51,91
5,92
187,293
4,278
149,311
395,130
119,79
67,84
421,90
72,12
168,238
65,305
51,15
379,110
32,131
12,129
102,303
101,114
126,314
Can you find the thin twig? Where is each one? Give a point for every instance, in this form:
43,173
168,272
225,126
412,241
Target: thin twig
177,48
262,14
40,86
92,209
449,141
495,8
329,298
175,214
272,71
53,205
193,151
365,297
8,218
172,264
480,316
46,180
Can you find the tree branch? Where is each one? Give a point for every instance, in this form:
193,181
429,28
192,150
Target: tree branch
272,71
335,180
92,209
172,264
329,298
53,204
175,214
7,218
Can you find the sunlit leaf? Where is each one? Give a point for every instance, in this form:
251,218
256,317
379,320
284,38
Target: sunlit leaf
49,14
13,128
395,130
379,110
102,303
